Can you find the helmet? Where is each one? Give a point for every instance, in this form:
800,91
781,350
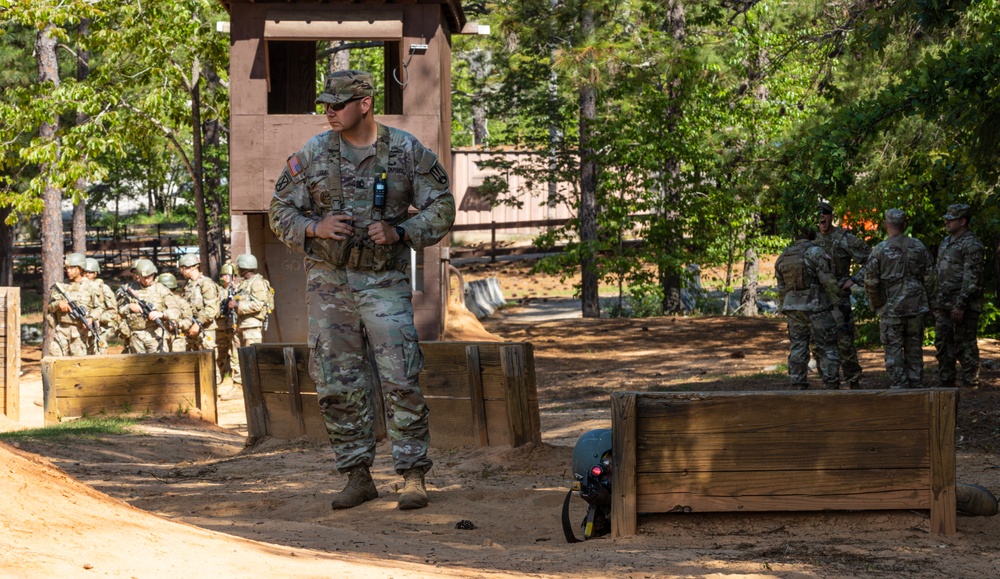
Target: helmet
593,448
227,269
246,261
92,265
189,259
76,260
168,280
144,267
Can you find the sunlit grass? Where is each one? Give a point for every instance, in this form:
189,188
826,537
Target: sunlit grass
84,428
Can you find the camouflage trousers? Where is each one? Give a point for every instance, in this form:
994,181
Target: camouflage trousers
345,308
817,328
242,337
849,365
903,342
223,350
149,340
205,340
956,342
68,340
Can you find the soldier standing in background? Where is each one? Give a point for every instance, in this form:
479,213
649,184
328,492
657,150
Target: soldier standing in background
252,303
203,295
899,282
807,292
959,299
70,335
224,328
108,319
342,200
148,328
842,248
178,328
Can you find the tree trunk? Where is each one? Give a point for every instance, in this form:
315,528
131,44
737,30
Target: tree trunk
52,225
80,221
588,191
6,248
212,263
198,179
748,299
80,208
670,279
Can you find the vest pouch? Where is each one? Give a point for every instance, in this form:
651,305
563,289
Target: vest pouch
383,257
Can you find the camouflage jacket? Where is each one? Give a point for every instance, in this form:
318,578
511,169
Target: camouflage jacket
203,295
841,248
251,301
900,278
82,294
106,312
960,273
303,194
805,282
159,296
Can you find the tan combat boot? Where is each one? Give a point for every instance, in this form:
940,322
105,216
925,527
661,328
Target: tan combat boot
413,495
360,489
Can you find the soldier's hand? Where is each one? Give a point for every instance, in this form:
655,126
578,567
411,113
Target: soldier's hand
382,233
233,305
154,315
957,315
63,306
846,284
336,227
193,330
134,308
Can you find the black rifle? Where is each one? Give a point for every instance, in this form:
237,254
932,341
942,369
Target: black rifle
79,313
229,311
146,308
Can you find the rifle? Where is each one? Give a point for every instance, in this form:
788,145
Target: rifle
228,311
146,308
79,313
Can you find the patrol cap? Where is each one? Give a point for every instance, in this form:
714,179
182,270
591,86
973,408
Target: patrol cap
958,211
189,259
168,280
345,85
76,260
824,207
895,216
92,266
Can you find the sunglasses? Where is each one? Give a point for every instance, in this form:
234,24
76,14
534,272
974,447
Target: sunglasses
336,107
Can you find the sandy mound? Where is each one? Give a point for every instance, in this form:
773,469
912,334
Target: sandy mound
464,326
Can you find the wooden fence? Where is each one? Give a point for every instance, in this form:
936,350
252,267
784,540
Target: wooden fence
162,383
478,393
10,352
783,451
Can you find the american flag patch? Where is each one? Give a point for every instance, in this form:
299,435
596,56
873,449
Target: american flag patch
294,166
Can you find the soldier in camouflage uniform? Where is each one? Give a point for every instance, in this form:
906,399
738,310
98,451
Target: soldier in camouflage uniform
807,292
251,306
70,337
147,335
107,318
899,281
841,248
224,324
177,340
342,200
959,299
203,295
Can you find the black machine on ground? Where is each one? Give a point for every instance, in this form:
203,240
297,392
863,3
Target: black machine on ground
592,480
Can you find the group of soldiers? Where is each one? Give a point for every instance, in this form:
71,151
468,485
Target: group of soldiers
901,281
153,313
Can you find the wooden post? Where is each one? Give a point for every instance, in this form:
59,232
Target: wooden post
515,390
624,521
49,393
208,403
294,390
942,434
253,399
10,344
480,431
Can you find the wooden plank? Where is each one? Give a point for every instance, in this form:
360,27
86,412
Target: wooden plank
124,386
51,413
782,451
119,364
801,486
206,387
479,429
281,425
534,414
752,412
11,320
512,362
623,480
450,423
942,489
165,401
253,399
295,395
906,499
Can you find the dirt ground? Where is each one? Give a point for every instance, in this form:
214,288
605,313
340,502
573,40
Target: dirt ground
182,498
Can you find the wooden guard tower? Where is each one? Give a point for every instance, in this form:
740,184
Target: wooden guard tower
273,88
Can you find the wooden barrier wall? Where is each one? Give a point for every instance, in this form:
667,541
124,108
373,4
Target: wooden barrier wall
478,393
10,352
783,451
161,383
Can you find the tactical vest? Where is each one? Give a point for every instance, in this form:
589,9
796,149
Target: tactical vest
793,268
358,252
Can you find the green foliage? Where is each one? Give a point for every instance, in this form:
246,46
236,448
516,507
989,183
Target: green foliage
989,319
89,428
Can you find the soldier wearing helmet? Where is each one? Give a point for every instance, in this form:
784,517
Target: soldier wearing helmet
252,302
224,326
149,329
177,341
107,316
203,295
70,336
